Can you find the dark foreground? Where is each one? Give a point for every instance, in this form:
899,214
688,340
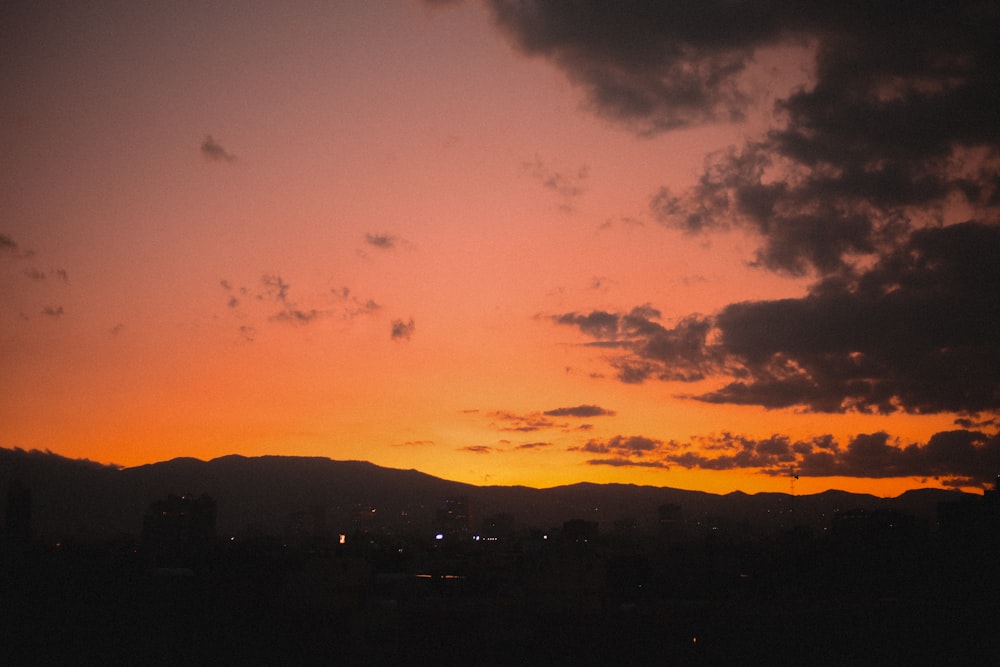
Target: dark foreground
795,602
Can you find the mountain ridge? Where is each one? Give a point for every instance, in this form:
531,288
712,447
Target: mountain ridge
78,497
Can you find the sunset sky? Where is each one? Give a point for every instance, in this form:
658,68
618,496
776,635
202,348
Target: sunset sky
702,244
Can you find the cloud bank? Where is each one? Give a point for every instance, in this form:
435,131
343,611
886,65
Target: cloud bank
916,332
959,458
879,179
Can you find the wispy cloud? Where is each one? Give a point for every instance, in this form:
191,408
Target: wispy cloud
478,449
270,300
503,420
414,443
213,151
349,306
402,329
383,241
297,315
10,248
534,445
275,287
59,275
567,184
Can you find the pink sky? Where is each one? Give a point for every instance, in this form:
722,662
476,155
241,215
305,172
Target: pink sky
352,230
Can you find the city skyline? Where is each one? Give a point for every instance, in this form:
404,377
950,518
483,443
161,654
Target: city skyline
716,246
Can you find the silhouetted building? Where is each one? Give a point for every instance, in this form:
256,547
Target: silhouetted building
670,520
306,528
178,531
17,522
497,527
365,519
875,527
453,520
579,531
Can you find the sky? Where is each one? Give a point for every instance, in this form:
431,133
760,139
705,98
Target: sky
707,244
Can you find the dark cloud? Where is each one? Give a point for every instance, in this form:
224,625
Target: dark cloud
626,447
509,421
728,452
897,132
273,293
11,248
503,420
964,455
646,349
915,332
275,287
967,423
652,65
533,445
214,151
402,330
879,177
478,449
580,411
960,457
38,275
53,311
627,451
297,315
655,65
385,241
598,324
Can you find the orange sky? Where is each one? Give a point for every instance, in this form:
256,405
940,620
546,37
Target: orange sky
348,231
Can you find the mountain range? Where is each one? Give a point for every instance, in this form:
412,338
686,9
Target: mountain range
73,498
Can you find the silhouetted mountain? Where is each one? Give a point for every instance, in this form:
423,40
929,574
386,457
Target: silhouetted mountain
86,499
